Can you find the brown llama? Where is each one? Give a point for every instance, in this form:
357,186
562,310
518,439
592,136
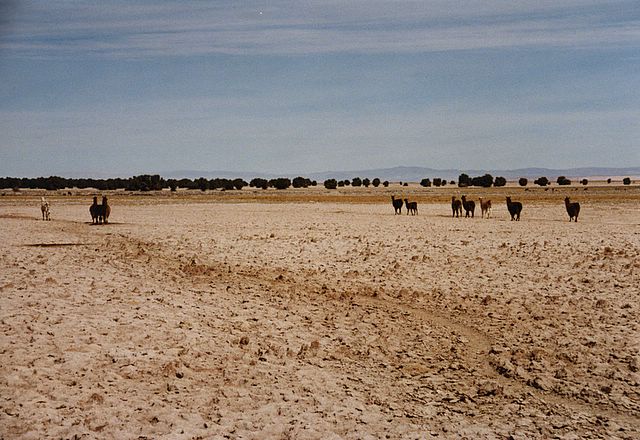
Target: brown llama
573,209
514,209
104,211
485,207
412,207
94,211
456,207
469,206
397,205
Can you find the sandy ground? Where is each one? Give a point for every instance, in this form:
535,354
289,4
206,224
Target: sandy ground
252,320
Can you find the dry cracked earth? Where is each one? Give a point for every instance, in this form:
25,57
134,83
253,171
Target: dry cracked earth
319,321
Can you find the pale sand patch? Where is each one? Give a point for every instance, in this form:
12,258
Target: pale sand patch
319,320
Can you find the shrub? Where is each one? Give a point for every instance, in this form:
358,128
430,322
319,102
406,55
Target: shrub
584,181
224,184
375,182
561,180
425,182
542,181
173,184
464,180
346,182
356,181
330,184
239,183
609,180
500,181
366,182
485,181
626,181
202,184
144,182
523,181
341,183
259,183
385,183
280,183
405,184
301,182
437,181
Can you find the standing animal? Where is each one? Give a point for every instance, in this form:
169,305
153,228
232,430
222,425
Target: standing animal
44,207
468,205
94,211
514,209
104,211
412,207
397,205
456,207
573,209
485,207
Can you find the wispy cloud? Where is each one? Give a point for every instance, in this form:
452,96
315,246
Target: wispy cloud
137,29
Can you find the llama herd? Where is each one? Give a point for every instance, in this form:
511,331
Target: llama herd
100,213
514,208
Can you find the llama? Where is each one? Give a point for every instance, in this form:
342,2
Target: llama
44,207
485,207
469,206
397,205
514,209
573,209
456,207
104,211
412,207
94,211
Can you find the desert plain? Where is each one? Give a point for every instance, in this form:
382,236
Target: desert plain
318,314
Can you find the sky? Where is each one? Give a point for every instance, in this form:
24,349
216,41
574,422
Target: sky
117,88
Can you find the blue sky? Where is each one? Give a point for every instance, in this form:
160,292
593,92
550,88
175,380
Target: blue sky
128,87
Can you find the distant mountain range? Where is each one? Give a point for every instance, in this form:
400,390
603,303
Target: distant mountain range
416,174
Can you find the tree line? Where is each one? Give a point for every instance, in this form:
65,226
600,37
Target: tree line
148,182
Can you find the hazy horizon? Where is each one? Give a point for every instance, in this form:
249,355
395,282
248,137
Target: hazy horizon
126,88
